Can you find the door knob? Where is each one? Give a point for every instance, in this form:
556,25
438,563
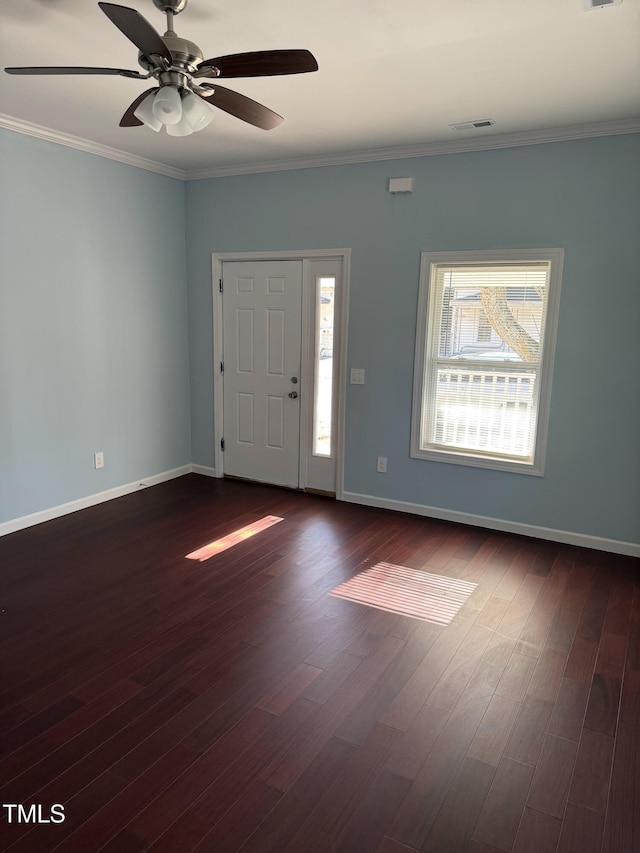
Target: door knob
293,394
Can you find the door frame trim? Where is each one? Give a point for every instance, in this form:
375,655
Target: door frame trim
306,255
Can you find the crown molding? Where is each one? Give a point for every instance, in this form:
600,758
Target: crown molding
400,152
429,149
40,132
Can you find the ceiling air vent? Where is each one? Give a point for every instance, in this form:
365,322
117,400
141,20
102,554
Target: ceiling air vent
473,125
600,4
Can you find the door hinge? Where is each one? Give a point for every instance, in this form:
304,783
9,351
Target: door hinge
222,444
220,285
222,367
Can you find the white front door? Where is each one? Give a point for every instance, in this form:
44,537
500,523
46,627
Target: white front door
262,360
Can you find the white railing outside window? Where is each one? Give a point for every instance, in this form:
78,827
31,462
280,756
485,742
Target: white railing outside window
483,410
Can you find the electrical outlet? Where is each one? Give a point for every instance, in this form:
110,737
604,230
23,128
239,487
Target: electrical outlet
98,459
382,465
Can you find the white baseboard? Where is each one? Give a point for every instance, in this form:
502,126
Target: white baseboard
202,469
91,500
565,536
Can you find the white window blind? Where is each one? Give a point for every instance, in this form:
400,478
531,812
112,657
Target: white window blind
481,360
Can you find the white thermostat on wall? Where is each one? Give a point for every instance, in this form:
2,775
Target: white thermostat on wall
400,185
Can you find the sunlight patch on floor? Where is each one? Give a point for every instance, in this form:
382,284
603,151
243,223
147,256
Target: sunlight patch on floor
409,592
234,538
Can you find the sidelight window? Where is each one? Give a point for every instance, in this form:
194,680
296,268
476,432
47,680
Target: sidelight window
322,409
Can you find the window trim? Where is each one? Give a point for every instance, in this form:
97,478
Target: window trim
424,321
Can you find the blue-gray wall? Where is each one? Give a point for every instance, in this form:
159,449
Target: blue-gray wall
93,324
98,352
583,196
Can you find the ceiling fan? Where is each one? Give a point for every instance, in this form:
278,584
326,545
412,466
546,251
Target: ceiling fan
182,100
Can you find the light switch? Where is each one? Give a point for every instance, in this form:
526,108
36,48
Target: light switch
357,375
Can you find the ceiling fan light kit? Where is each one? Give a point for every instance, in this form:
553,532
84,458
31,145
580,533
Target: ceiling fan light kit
180,129
144,112
167,106
181,117
182,103
197,112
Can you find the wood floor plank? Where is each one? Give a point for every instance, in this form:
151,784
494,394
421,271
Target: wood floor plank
516,615
296,682
633,645
499,819
325,826
494,731
545,682
514,683
606,685
590,784
517,566
36,725
537,833
595,609
569,612
479,847
279,827
616,620
582,660
458,673
528,732
388,845
630,698
603,704
67,770
377,700
538,623
372,816
455,822
499,650
414,745
412,697
582,830
568,712
421,806
71,726
111,814
552,777
221,772
491,614
242,819
622,825
285,768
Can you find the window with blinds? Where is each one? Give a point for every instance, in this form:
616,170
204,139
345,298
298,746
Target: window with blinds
484,347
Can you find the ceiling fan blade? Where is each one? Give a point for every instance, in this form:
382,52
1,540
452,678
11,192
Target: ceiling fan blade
260,63
243,108
122,72
137,29
128,119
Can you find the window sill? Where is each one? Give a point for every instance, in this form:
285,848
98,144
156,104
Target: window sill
493,463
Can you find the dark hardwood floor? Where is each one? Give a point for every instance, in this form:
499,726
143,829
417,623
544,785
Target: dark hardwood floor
234,706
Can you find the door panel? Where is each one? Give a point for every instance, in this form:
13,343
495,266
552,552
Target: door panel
262,309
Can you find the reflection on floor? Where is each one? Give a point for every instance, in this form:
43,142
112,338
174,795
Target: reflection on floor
398,589
234,538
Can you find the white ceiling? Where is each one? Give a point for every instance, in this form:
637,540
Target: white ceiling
392,74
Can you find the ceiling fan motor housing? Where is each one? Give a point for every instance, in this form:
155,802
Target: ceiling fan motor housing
174,6
185,53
